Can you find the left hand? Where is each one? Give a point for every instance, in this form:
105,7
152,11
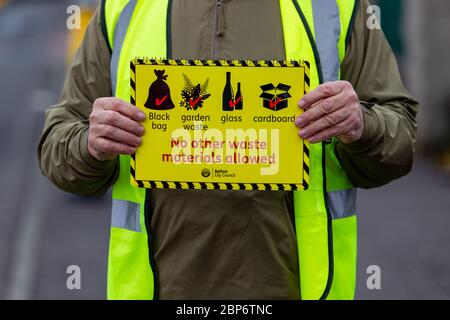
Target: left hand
331,110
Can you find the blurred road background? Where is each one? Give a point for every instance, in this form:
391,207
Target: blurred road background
403,227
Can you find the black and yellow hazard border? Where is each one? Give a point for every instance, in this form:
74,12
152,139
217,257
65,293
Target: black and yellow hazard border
220,185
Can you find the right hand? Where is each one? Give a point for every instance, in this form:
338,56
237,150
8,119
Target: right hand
114,128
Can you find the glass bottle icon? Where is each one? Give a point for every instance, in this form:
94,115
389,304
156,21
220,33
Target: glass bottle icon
228,96
239,99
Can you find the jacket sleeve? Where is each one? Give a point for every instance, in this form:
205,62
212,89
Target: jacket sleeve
62,152
385,151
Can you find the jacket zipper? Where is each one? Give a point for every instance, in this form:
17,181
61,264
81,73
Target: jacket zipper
218,27
220,19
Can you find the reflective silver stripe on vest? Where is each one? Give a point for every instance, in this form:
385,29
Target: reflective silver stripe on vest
119,37
125,215
342,204
327,29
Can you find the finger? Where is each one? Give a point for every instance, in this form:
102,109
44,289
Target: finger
334,131
106,146
118,135
117,120
327,121
320,109
323,91
124,108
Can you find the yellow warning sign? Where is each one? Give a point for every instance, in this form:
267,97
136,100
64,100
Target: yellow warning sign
225,125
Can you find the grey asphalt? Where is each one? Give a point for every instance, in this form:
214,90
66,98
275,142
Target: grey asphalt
403,227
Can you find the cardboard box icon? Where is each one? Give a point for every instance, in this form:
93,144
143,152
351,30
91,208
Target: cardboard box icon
275,98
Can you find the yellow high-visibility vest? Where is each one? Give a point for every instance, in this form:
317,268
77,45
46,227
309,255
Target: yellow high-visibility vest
314,30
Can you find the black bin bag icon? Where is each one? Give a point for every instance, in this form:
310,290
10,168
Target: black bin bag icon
159,93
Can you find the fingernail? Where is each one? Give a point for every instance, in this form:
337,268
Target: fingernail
299,122
302,103
141,130
141,115
304,134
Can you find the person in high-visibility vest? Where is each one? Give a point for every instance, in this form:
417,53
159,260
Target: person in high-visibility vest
200,244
